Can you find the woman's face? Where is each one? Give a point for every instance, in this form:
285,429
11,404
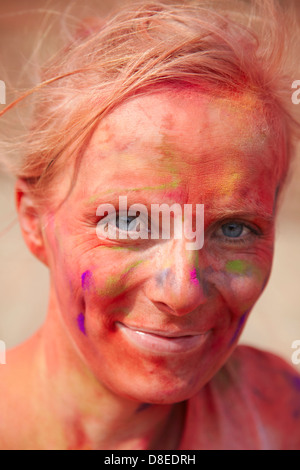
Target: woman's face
153,319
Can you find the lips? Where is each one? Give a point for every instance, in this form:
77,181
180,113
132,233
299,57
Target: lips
165,342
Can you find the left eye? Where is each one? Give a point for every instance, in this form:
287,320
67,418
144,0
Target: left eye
233,229
126,223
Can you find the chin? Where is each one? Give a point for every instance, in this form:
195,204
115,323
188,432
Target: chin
154,379
160,390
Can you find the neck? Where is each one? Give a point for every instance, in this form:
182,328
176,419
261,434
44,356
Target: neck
81,413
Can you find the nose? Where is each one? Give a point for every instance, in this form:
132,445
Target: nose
178,286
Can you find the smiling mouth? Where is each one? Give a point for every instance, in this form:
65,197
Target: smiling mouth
162,341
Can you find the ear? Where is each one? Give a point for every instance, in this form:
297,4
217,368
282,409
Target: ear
30,220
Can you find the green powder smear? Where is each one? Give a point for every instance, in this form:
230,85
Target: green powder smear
111,286
238,266
243,268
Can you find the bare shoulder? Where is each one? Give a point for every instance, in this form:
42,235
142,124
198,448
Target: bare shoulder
270,389
6,403
15,397
266,370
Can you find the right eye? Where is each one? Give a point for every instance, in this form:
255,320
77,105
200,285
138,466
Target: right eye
233,229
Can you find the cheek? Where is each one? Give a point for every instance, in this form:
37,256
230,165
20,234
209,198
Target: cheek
104,290
241,283
245,291
87,280
119,276
69,282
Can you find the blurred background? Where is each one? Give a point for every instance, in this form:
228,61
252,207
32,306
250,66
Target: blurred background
275,321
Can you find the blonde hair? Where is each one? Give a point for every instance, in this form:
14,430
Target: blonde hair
145,46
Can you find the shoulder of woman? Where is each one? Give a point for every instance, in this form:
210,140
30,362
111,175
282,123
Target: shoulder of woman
15,398
262,369
267,389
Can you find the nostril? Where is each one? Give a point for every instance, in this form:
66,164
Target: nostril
163,307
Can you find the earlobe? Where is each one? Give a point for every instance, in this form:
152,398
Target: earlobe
30,220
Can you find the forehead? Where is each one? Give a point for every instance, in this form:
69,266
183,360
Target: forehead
185,117
183,128
182,146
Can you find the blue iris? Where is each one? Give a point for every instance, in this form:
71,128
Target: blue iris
232,230
123,222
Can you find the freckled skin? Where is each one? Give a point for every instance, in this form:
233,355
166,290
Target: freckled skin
147,284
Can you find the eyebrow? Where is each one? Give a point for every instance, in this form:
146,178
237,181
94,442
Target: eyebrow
116,193
239,212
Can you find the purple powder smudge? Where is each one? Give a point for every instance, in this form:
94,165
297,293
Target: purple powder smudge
80,322
295,380
239,327
143,406
86,280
